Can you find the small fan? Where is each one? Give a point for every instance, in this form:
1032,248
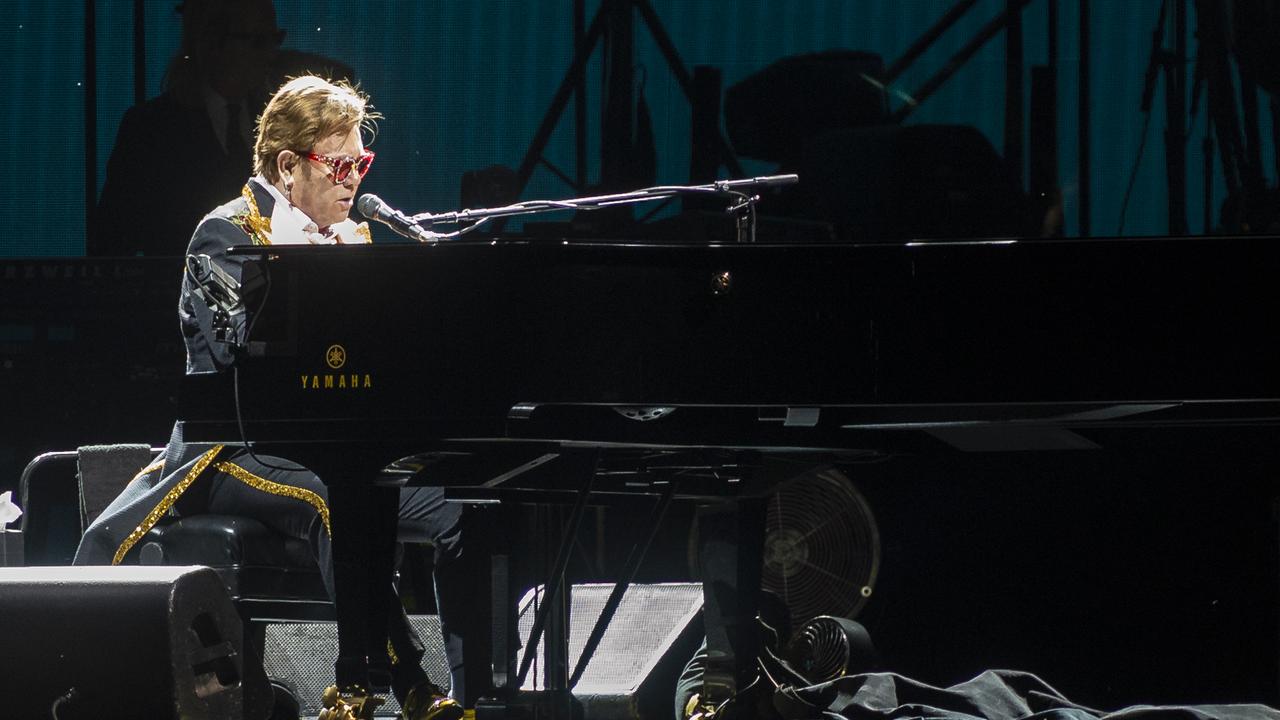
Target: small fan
826,647
821,547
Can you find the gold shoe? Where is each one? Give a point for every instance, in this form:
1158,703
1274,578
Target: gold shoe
427,702
358,705
695,709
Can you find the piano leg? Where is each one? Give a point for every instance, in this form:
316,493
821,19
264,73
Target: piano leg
551,622
363,519
730,547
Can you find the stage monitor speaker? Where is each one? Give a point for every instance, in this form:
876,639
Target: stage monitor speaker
153,642
300,655
633,672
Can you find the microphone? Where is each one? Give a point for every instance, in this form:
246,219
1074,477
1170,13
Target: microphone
755,182
372,207
776,180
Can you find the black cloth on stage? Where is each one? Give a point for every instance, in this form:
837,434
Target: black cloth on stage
993,695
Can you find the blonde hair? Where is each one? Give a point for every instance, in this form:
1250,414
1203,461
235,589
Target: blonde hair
304,111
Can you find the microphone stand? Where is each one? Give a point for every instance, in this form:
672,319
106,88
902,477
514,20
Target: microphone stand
742,204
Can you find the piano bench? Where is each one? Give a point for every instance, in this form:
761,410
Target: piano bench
271,578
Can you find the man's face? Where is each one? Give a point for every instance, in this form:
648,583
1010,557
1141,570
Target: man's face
313,188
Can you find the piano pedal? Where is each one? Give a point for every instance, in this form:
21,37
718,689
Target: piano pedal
347,706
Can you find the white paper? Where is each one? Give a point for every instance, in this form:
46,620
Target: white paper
8,511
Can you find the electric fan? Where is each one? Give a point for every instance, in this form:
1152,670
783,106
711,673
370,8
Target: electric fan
821,547
826,647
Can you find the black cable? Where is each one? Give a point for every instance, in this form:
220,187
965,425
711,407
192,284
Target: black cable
235,381
69,696
244,437
266,293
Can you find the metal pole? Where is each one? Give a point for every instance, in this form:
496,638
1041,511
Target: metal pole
90,119
139,52
668,48
1085,172
1013,93
1175,122
617,126
1052,31
1207,149
958,60
1042,150
1212,32
1275,130
580,99
919,47
577,67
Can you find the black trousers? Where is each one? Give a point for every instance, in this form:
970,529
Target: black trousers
291,500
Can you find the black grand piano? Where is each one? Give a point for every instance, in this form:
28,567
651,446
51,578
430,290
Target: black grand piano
574,370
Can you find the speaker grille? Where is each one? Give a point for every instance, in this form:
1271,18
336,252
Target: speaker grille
648,621
302,655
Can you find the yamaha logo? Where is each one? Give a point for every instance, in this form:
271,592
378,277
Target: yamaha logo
335,356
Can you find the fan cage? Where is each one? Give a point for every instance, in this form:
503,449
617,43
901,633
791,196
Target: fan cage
822,547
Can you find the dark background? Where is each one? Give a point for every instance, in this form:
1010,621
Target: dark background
464,86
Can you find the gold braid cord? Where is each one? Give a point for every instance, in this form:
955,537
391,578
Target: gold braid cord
259,227
275,488
165,504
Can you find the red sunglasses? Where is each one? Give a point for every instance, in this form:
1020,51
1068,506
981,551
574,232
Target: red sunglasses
342,166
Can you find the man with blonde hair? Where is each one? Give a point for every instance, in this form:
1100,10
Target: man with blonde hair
308,160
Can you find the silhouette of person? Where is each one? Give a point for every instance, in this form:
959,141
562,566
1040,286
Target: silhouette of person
189,149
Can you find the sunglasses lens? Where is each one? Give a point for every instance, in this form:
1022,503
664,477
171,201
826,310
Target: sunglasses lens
342,167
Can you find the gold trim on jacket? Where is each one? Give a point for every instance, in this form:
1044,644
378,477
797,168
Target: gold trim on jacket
275,488
165,504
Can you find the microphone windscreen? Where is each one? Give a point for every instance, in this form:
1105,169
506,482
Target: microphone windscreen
368,205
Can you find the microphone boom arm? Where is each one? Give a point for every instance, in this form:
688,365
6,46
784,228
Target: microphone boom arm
744,203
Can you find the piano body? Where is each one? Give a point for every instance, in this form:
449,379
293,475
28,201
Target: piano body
535,370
